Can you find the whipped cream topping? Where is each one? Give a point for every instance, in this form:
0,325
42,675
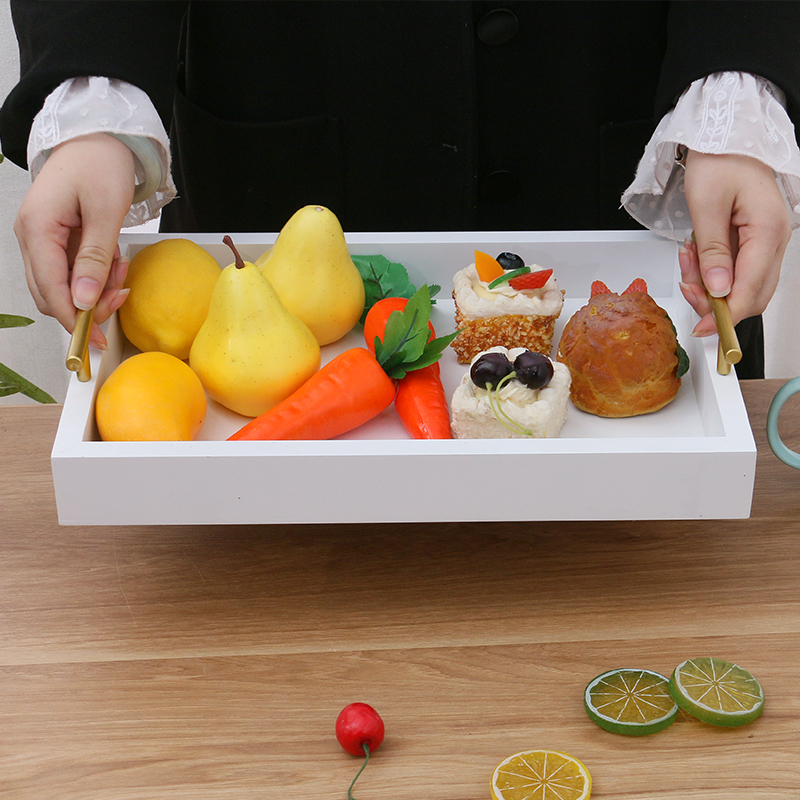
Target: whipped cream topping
542,411
476,301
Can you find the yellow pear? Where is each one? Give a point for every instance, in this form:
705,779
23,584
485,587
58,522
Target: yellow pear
251,352
313,274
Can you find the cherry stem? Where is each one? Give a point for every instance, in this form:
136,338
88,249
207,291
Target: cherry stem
366,761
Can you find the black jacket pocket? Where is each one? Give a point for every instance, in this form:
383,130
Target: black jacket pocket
243,176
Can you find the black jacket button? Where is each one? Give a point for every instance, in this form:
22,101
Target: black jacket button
498,27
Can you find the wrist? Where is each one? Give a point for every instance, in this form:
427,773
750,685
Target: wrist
145,151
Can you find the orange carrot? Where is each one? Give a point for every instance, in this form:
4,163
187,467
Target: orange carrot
420,402
378,315
347,392
422,406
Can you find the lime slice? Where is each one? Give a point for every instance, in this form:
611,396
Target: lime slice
717,692
633,702
541,775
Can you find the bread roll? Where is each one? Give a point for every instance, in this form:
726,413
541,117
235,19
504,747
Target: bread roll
621,351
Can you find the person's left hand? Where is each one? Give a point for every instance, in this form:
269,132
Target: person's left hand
741,228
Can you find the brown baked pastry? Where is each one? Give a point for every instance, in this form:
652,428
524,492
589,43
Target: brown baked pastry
622,353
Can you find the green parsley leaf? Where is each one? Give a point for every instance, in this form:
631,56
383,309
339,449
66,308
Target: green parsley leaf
683,356
384,278
405,346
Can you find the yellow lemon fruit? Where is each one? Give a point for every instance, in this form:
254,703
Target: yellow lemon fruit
171,283
151,397
541,775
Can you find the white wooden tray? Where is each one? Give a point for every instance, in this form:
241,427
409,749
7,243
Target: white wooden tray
667,465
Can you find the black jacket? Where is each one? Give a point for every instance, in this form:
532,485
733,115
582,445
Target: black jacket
401,115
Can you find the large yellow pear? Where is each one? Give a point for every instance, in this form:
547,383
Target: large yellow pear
251,352
313,274
171,283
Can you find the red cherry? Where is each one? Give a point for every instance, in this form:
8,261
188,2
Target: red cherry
357,725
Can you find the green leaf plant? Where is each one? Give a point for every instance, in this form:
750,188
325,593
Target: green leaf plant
10,381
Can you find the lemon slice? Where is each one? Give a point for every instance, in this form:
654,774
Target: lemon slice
541,775
633,702
716,691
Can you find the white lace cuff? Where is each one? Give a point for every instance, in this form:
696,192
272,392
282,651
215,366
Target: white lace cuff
727,112
81,106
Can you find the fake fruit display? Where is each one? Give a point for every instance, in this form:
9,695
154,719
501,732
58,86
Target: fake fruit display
359,730
170,285
715,691
311,270
251,352
355,386
541,775
632,702
151,397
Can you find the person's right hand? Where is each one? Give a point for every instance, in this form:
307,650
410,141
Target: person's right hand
68,227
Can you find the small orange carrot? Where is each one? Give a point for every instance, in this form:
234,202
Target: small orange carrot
420,403
348,391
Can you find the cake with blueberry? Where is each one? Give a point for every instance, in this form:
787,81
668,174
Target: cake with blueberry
511,393
504,302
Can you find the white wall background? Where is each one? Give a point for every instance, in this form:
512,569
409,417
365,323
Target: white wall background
37,352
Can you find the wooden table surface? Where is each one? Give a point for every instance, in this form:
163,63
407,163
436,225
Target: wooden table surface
211,662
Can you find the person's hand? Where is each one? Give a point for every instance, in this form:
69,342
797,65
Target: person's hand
741,228
68,227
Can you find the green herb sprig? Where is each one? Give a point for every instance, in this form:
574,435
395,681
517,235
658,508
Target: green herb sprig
384,278
12,382
405,346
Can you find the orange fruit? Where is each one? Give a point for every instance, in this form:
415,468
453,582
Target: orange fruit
171,283
488,268
151,397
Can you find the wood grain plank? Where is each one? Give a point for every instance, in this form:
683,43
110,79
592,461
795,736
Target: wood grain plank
211,662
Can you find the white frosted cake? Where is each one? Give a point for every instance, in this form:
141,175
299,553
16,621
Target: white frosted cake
503,315
515,411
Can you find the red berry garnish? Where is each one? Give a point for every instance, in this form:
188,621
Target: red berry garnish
531,280
598,287
638,285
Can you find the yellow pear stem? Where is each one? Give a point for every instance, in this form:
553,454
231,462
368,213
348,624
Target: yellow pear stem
238,259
